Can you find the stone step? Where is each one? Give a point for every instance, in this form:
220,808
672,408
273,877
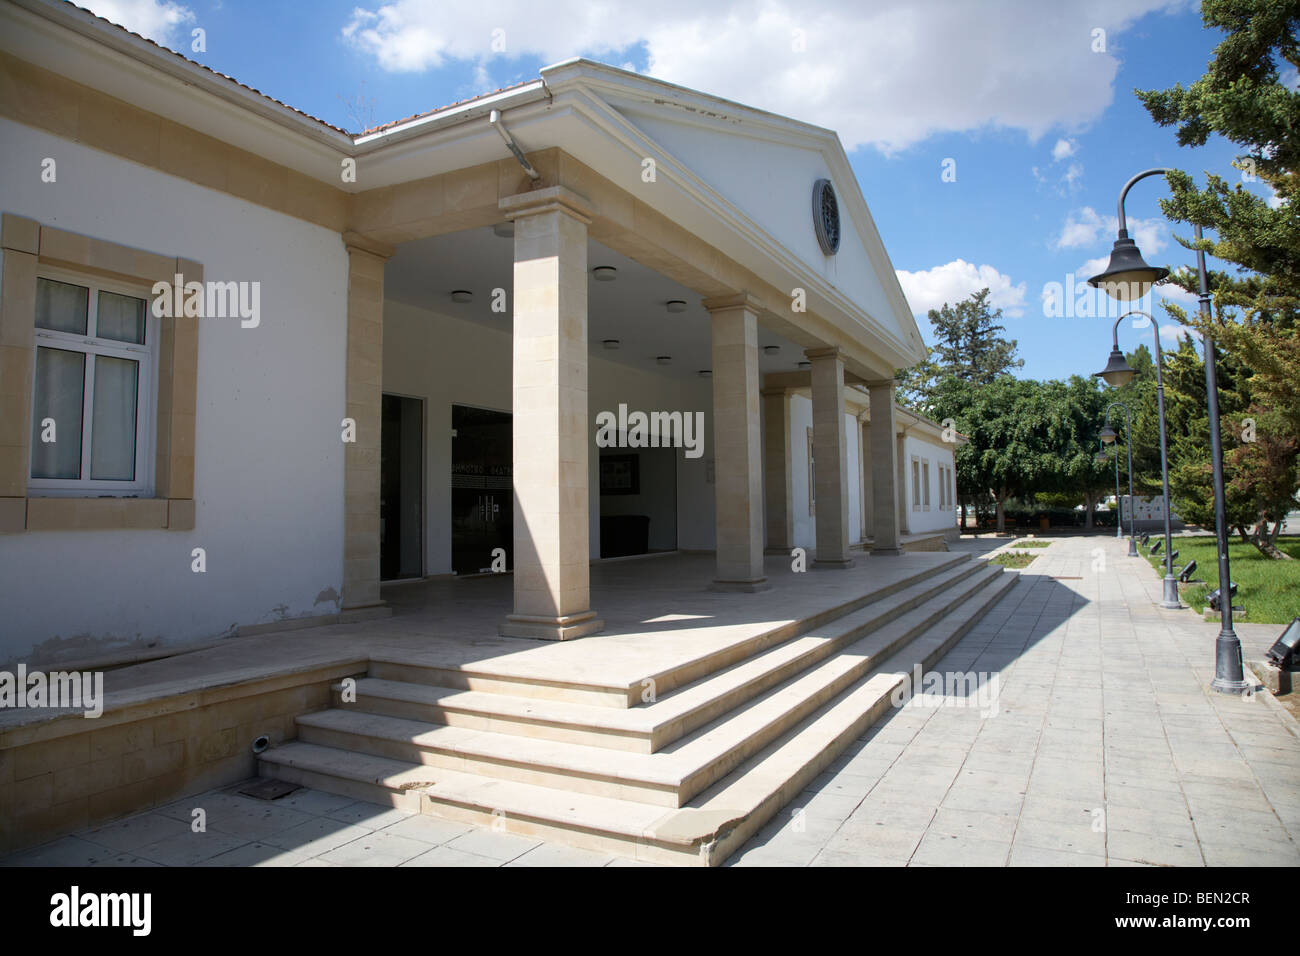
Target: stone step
494,679
667,778
651,727
704,832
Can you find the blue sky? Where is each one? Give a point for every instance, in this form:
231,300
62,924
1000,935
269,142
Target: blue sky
1031,103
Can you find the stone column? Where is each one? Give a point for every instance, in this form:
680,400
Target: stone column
737,449
552,576
776,470
365,374
832,475
884,469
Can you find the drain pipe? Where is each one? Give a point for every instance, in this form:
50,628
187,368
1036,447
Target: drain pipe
494,118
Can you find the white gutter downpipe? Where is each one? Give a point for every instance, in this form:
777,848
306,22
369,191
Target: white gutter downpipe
495,119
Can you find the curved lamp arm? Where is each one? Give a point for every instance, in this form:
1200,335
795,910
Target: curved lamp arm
1123,220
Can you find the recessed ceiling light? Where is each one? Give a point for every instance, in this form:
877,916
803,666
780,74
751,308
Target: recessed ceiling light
676,305
805,364
506,230
706,373
771,349
610,343
604,273
462,295
664,359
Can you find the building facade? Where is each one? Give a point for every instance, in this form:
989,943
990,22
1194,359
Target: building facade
251,365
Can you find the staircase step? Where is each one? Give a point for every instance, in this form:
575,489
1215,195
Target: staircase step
705,831
648,728
489,677
667,778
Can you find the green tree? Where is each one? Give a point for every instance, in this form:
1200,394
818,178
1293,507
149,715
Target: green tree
967,347
1255,319
1008,423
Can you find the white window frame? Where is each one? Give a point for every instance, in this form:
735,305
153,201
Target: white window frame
925,483
145,355
916,483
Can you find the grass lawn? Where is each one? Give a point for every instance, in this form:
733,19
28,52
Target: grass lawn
1028,543
1013,559
1268,590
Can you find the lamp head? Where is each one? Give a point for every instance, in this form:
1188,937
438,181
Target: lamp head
1127,276
1117,372
1107,434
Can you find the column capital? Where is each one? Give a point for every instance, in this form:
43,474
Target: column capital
548,199
825,351
881,383
355,240
735,300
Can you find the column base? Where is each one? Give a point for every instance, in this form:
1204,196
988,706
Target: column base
564,628
749,586
833,563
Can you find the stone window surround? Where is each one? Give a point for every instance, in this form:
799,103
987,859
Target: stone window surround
26,244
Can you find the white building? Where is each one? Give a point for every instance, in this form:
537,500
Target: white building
409,295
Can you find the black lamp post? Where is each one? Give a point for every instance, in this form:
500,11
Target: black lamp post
1117,373
1108,436
1128,277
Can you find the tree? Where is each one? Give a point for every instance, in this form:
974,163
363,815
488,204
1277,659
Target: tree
1255,318
1077,411
1009,453
967,347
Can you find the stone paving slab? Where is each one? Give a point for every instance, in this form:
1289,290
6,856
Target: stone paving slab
1107,748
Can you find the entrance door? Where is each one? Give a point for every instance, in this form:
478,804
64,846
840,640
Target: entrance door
482,502
401,480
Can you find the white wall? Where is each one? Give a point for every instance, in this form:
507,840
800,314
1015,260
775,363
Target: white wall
448,361
268,480
805,524
936,452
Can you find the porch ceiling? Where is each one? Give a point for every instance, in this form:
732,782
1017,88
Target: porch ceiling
632,308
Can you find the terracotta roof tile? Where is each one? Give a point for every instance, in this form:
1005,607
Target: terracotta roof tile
314,119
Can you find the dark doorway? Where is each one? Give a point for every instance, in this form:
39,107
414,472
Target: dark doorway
401,482
482,497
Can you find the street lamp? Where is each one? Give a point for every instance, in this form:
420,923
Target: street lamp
1118,373
1108,436
1126,274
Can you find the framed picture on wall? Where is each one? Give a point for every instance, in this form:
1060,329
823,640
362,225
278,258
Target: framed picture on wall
620,475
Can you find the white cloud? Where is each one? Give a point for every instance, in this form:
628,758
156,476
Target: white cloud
1086,227
956,280
1064,149
888,74
159,20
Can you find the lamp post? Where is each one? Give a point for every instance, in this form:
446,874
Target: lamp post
1102,459
1128,277
1117,373
1108,436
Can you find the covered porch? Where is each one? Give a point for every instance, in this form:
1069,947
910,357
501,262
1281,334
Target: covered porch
709,308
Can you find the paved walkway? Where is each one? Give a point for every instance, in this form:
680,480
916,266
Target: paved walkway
1107,748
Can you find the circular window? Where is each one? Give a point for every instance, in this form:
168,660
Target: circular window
826,216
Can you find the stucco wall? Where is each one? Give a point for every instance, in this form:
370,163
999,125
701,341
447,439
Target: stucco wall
936,452
268,482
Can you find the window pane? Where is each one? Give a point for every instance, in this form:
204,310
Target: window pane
60,387
61,307
120,317
112,439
